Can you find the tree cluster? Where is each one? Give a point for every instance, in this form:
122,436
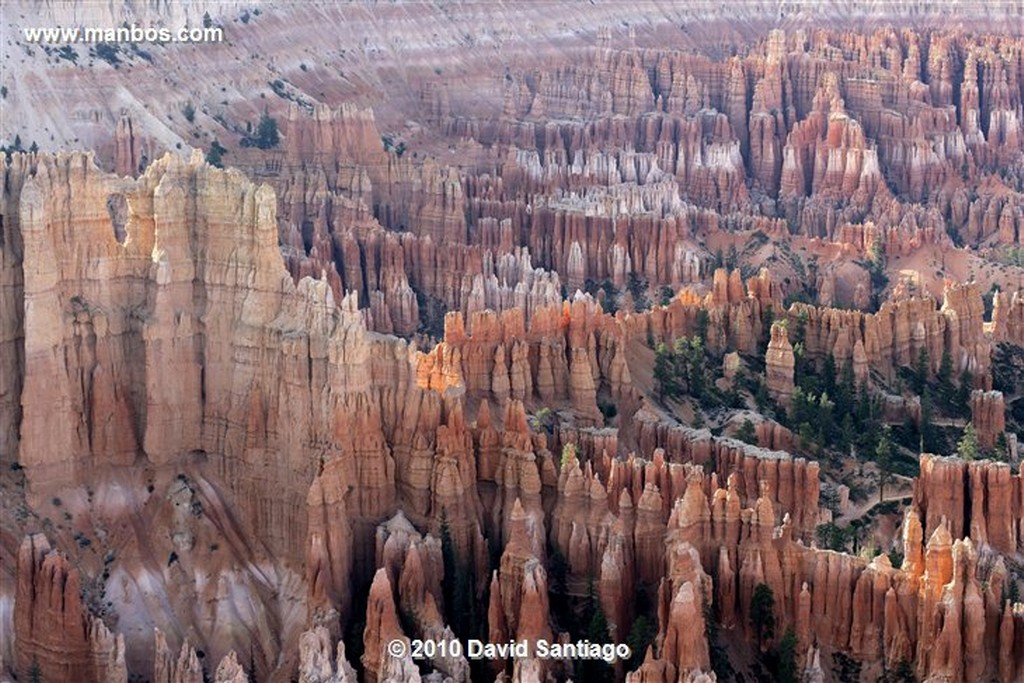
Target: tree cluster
460,606
266,135
681,370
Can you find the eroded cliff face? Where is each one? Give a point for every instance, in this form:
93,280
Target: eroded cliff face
241,422
200,415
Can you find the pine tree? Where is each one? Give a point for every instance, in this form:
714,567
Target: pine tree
800,327
967,448
1002,448
766,325
559,569
665,381
641,635
927,430
847,432
903,673
864,408
266,132
945,378
733,259
884,460
690,356
597,629
825,418
450,561
828,375
35,674
747,433
720,663
216,154
1011,590
787,672
921,372
846,393
703,321
963,394
762,613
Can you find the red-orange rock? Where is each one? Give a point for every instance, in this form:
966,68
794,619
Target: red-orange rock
780,363
53,628
988,413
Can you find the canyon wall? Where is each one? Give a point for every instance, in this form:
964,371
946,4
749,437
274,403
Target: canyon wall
195,381
240,420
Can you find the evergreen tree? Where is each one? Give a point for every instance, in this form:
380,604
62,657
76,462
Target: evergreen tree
787,672
1011,590
559,570
902,673
800,370
597,629
762,613
747,432
963,394
767,319
845,668
641,635
864,407
35,674
884,459
590,602
832,537
967,448
266,132
216,154
921,372
597,632
824,421
945,378
800,407
828,375
800,327
846,392
703,321
450,560
665,382
806,434
761,397
733,259
928,441
720,663
465,605
690,356
847,432
1002,448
